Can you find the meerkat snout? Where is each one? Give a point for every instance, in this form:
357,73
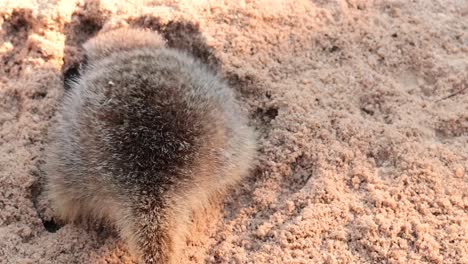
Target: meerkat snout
144,136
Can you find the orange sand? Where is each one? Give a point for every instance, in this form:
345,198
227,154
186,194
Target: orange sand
362,107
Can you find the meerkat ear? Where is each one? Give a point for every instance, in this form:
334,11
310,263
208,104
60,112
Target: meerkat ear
122,39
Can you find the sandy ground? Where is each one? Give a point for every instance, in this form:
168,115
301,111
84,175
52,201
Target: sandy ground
362,107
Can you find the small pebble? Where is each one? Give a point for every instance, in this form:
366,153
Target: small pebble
459,172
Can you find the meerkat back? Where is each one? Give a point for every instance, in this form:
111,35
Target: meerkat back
145,136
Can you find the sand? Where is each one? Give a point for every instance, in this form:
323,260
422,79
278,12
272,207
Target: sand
361,107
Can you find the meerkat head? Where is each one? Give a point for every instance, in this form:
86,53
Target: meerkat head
123,39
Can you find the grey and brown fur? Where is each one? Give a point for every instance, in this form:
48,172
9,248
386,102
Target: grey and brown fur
144,136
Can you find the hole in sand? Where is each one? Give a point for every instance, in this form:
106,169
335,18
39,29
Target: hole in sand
182,35
51,226
266,115
39,95
271,113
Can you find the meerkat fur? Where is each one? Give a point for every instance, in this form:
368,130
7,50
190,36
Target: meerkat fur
145,136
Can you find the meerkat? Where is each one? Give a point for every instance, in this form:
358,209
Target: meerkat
144,136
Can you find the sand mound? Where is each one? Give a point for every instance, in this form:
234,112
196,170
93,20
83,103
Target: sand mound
362,107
